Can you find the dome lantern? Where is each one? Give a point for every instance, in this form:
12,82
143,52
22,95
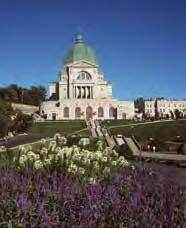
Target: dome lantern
79,39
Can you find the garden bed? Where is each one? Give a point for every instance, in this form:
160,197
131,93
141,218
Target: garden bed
19,140
60,186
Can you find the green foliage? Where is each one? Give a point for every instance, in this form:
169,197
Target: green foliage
140,104
11,120
6,122
5,125
14,93
37,95
157,115
172,114
22,122
6,109
177,114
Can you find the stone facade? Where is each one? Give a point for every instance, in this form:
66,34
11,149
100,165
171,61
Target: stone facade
82,92
150,108
164,107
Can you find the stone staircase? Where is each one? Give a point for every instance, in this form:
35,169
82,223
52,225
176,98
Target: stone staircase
37,118
98,128
98,131
91,127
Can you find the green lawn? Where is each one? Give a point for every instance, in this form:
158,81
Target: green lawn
109,123
48,129
161,131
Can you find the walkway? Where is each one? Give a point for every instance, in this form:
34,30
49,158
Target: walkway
153,155
143,123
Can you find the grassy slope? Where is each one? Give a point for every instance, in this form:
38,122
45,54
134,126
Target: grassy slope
110,123
162,131
50,128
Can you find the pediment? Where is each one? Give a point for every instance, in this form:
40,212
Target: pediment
82,64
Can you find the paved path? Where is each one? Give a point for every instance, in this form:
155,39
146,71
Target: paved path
132,146
144,123
153,155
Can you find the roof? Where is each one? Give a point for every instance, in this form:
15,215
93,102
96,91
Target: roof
80,51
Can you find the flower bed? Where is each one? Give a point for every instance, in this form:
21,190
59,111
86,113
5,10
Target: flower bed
60,186
132,198
88,166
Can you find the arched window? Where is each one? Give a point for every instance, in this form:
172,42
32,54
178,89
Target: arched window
100,112
66,112
84,76
78,112
111,112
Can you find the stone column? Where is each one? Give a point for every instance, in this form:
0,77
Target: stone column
79,95
89,89
86,88
88,92
84,94
91,92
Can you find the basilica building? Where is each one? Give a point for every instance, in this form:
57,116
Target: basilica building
82,92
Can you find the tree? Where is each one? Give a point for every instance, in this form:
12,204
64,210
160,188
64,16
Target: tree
14,93
11,120
157,115
22,122
177,113
140,105
6,109
5,125
172,114
159,98
38,94
6,122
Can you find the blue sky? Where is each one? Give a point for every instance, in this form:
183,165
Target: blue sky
140,44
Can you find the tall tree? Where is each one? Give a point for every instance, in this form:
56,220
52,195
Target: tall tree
37,94
157,114
140,104
6,113
14,93
177,113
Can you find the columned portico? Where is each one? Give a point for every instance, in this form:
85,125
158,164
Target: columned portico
82,92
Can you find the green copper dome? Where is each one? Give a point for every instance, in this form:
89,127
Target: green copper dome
80,51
